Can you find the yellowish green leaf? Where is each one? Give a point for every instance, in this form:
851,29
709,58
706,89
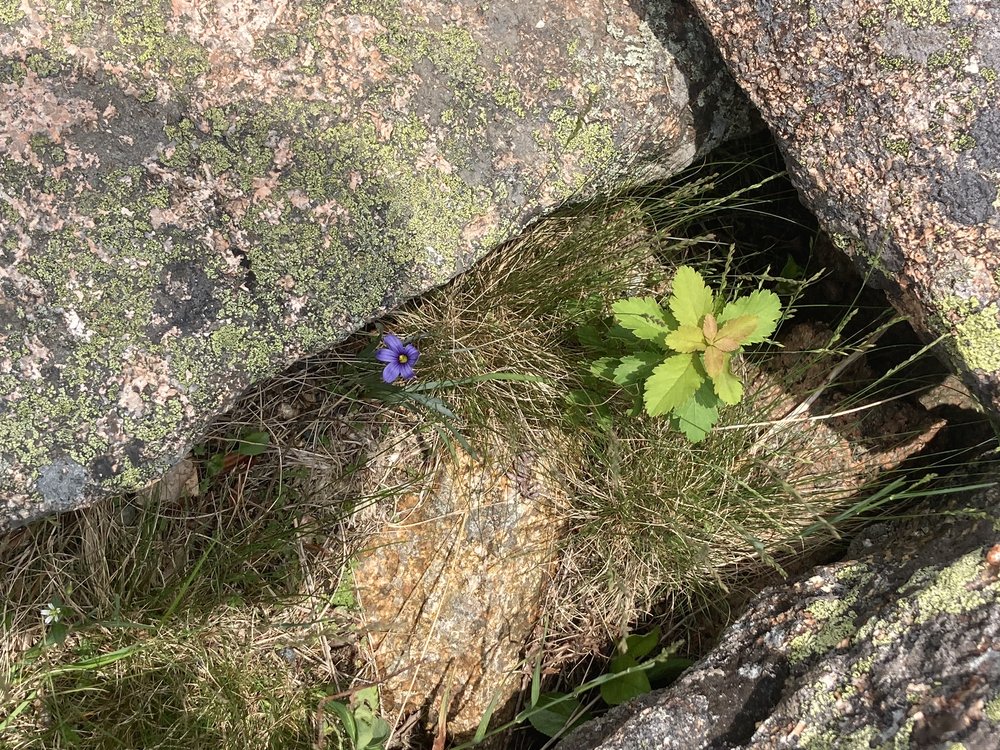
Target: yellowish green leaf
762,305
696,416
727,386
691,299
644,317
686,339
739,328
672,383
636,367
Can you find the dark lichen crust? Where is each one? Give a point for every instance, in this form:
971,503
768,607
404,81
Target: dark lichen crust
193,196
889,117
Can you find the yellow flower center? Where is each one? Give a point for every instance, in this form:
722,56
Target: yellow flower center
403,359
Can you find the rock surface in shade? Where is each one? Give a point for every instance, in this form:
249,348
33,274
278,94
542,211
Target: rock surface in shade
897,647
194,195
451,589
888,114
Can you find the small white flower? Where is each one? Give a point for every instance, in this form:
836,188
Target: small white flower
52,613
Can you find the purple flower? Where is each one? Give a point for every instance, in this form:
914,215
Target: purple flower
399,359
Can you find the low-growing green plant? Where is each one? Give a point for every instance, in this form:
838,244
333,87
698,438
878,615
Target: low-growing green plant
684,354
639,666
359,722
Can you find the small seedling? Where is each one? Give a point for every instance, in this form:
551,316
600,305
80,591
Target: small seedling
688,369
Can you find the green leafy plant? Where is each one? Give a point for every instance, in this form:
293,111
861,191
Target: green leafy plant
363,727
639,666
685,352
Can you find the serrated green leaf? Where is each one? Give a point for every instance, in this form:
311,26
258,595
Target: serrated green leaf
738,328
727,386
605,367
686,339
589,336
636,367
763,305
644,317
691,299
697,416
672,383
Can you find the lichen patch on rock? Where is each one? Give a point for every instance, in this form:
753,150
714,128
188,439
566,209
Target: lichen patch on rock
194,196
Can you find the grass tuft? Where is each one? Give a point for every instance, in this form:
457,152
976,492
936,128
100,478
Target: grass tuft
218,611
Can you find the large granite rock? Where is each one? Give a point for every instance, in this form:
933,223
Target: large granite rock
897,647
888,114
193,195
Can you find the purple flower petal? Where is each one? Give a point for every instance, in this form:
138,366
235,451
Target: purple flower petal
412,354
406,371
393,342
392,372
386,356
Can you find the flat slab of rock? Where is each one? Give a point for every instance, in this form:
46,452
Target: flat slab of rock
452,588
194,195
888,114
899,646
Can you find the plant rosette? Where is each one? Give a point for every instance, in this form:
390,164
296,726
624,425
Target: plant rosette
687,373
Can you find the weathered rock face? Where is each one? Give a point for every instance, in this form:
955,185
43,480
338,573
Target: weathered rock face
193,195
899,646
888,114
452,588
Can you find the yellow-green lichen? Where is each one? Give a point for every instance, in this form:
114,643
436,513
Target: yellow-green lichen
989,74
835,623
955,54
10,12
43,65
47,150
855,573
963,142
950,593
278,46
820,710
255,351
139,43
872,19
977,337
899,146
895,62
919,14
591,142
161,422
992,709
